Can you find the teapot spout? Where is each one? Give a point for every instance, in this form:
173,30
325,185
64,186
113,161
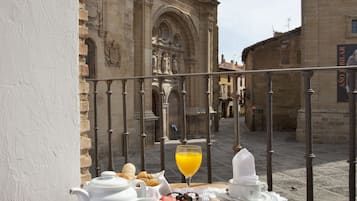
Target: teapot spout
82,194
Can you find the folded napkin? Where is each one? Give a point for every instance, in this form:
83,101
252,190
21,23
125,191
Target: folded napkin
244,167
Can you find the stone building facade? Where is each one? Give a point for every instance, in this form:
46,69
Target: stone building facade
150,37
226,83
279,52
326,26
328,37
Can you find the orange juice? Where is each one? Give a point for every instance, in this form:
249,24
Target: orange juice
188,162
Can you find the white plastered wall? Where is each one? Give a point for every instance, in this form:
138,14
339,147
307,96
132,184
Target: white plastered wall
39,103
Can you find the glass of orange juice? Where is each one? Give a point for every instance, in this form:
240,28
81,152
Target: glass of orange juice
188,161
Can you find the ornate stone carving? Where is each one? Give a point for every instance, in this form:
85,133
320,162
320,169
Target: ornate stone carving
165,63
164,32
177,41
149,2
100,13
112,53
96,16
154,62
169,46
174,64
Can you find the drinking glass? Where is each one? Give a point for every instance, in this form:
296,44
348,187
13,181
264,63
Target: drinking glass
188,161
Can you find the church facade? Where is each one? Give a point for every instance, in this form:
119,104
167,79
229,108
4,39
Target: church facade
130,38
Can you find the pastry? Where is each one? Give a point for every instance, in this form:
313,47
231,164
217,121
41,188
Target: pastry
129,171
122,175
149,179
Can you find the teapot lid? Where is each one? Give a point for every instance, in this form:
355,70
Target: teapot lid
108,179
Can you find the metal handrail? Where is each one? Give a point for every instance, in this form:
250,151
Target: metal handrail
237,73
307,73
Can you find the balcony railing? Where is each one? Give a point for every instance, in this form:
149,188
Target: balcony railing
181,79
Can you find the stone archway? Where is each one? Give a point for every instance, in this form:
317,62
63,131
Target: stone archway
91,57
173,42
173,52
156,110
174,115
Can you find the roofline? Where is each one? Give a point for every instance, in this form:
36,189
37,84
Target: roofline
252,47
221,67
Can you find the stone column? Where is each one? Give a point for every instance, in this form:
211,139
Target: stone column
86,160
190,65
143,46
143,58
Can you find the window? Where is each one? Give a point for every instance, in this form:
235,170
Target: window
298,57
284,52
351,26
354,26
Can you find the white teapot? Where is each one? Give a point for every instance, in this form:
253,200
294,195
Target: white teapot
109,187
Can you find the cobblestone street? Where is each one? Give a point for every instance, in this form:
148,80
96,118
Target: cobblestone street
330,166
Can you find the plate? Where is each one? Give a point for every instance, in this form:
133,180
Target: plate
227,197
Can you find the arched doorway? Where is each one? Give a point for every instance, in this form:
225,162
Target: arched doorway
174,115
91,57
173,51
156,110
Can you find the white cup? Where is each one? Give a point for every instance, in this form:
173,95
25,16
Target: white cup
249,192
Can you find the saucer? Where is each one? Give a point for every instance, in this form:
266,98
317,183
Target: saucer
264,197
226,197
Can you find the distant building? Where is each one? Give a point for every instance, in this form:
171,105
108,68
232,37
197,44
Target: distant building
316,43
281,51
328,38
226,89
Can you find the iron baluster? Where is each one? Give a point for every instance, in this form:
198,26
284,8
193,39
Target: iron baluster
269,117
236,147
142,123
110,130
308,135
125,120
97,168
208,130
162,133
352,135
183,111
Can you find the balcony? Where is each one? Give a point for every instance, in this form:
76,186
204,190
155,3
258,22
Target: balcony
125,131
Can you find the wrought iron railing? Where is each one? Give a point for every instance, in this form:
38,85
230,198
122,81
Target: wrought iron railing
307,73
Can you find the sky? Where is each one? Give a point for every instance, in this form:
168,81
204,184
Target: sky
243,23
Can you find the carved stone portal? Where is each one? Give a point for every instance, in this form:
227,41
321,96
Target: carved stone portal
168,47
112,53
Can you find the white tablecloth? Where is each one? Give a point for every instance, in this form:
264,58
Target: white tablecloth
208,194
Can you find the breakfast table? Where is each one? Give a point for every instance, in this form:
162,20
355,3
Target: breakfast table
219,192
129,186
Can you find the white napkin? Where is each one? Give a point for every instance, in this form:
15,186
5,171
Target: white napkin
162,189
244,167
